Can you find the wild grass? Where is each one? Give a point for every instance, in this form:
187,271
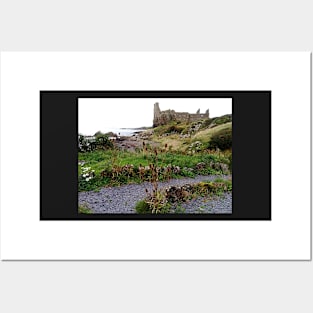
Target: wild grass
174,141
114,167
178,143
83,209
170,200
206,134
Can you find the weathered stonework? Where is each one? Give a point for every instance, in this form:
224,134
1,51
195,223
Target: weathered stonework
164,117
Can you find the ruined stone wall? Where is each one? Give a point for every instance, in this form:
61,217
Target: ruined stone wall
164,117
196,117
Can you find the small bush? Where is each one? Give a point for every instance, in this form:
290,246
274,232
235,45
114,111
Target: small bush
104,142
223,119
221,139
212,122
158,203
83,144
194,147
206,123
142,207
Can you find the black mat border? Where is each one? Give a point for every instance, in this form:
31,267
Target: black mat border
58,173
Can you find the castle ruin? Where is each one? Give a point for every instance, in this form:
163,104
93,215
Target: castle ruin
164,117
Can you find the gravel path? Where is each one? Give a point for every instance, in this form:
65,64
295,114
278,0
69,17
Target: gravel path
214,205
122,199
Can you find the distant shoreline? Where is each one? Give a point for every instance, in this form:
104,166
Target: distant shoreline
122,131
137,128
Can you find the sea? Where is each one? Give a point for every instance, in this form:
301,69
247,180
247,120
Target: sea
127,132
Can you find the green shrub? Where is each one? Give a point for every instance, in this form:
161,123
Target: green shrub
211,122
142,207
83,144
221,139
206,123
104,142
223,119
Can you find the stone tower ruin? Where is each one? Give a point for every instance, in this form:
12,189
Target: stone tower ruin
164,117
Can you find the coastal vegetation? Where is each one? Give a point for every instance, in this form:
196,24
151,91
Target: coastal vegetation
174,150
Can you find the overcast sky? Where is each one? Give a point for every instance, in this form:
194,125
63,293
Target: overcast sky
101,114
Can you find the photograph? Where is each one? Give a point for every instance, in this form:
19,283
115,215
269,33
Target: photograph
155,156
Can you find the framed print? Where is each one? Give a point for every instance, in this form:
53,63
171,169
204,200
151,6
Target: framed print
155,156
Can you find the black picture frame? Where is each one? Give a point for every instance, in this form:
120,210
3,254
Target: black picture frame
251,162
